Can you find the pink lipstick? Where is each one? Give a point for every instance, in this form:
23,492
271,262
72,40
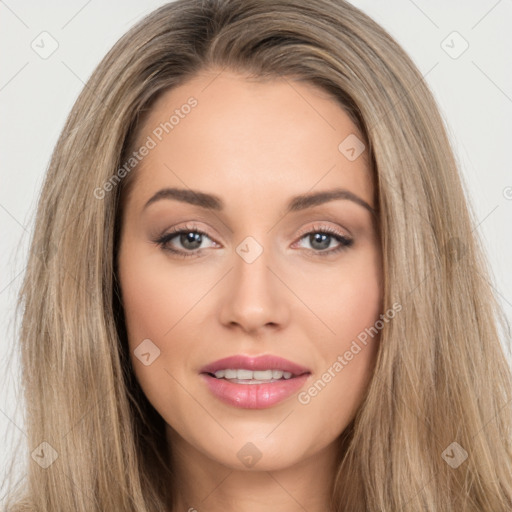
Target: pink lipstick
254,382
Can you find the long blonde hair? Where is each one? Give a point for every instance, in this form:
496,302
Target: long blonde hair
441,376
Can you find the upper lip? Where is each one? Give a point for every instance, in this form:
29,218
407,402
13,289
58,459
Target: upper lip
264,362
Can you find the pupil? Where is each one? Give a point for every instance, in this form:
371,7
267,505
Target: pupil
188,240
322,238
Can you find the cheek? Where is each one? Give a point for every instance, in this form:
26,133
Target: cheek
358,306
358,303
147,307
152,311
348,350
345,298
156,297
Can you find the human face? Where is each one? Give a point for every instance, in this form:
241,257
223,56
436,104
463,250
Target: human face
261,280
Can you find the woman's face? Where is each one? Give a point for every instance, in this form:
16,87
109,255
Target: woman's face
253,271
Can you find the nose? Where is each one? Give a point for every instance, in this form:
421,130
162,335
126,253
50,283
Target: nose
254,297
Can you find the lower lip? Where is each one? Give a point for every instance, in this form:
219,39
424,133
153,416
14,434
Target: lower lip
254,396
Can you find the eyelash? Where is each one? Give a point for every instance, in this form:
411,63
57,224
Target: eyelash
162,241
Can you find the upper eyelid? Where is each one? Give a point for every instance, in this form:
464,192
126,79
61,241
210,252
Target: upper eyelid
318,226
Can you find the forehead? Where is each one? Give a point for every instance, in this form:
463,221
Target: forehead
244,134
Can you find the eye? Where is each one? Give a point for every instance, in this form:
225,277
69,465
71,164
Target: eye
320,238
189,237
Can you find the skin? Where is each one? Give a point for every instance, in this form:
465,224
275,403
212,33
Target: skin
255,145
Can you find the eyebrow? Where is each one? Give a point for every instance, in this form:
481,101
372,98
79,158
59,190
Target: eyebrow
297,203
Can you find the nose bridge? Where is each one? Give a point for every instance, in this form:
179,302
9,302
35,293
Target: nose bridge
252,277
252,263
253,298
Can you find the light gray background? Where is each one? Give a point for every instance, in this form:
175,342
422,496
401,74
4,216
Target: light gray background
474,92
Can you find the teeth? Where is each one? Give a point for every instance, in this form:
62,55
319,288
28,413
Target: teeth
262,375
244,374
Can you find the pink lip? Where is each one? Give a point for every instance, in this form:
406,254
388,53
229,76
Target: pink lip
266,362
254,396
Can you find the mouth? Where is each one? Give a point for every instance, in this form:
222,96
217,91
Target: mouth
254,383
